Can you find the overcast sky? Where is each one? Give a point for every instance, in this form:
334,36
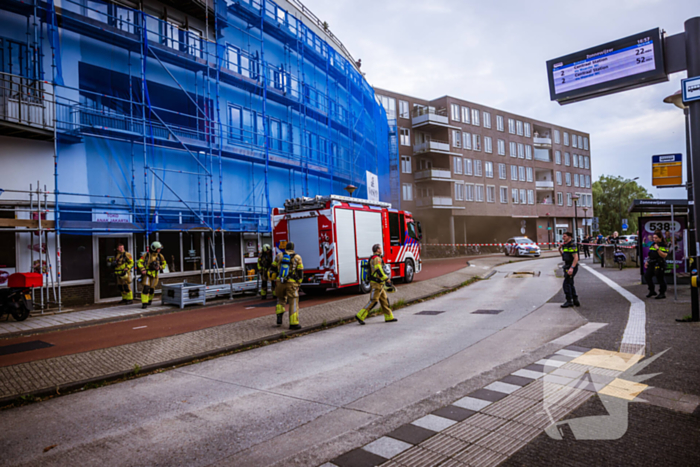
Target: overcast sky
494,53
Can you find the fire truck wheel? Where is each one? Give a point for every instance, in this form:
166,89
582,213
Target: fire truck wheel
409,272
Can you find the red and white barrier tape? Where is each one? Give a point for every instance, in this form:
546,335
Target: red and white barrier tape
514,244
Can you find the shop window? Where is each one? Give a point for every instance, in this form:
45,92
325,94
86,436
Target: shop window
171,250
192,251
233,249
76,257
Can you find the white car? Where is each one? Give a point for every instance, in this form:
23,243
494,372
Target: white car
628,239
522,246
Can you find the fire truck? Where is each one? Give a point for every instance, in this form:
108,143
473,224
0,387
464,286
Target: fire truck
334,236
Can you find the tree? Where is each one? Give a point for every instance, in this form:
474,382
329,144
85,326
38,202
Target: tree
612,196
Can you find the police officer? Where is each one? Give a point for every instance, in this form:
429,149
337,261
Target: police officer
569,253
655,265
264,265
150,265
124,263
288,269
377,294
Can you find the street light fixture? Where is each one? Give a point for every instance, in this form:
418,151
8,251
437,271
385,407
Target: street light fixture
619,201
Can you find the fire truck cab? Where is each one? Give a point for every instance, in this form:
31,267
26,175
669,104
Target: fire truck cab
334,236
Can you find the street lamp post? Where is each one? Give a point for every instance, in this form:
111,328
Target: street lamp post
585,220
575,198
619,201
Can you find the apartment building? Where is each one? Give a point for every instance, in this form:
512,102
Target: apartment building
476,174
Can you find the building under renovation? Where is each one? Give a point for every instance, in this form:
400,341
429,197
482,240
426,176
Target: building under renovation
178,121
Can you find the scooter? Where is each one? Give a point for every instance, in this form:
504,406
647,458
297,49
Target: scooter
16,299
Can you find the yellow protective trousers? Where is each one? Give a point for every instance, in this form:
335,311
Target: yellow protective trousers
288,293
377,294
149,288
124,284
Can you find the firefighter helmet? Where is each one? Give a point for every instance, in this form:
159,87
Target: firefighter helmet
155,246
266,247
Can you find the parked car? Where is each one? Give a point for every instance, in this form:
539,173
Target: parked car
628,239
522,246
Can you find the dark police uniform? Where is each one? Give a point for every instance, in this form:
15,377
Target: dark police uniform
656,267
568,251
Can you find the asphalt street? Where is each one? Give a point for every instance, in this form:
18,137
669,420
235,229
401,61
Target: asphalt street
277,402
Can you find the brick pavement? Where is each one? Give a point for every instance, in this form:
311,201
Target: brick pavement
47,376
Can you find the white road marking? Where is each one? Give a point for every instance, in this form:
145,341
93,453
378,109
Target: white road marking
635,332
139,327
249,307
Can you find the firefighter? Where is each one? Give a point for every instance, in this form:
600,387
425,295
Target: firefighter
655,265
569,253
124,263
264,264
288,270
377,294
150,265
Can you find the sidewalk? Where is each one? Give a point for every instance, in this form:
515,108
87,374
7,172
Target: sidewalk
70,371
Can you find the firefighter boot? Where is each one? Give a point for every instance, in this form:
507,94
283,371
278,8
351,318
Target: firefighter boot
361,316
294,314
280,313
145,294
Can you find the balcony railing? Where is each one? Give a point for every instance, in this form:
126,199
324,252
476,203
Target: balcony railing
544,185
436,175
26,102
434,201
542,141
432,146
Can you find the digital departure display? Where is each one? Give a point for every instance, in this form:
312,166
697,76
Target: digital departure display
623,64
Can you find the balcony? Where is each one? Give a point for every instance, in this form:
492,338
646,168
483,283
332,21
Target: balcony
26,108
542,142
544,185
427,118
438,202
433,175
434,146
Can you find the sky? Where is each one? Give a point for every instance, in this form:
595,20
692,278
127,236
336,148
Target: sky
495,52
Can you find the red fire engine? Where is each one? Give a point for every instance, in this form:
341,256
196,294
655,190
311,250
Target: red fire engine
334,236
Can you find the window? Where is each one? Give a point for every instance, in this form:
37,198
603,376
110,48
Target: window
513,150
514,172
407,191
234,117
557,157
523,196
405,136
568,179
580,142
459,191
487,119
501,147
566,139
469,192
588,181
487,144
530,197
568,199
403,109
425,164
465,114
406,164
455,112
502,171
456,139
521,173
499,122
527,129
466,140
389,105
76,257
575,158
521,151
587,162
511,126
519,127
477,168
558,178
529,174
488,169
585,143
567,159
468,167
475,117
557,139
457,165
576,180
528,152
479,193
476,142
490,194
503,192
560,199
573,141
514,193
